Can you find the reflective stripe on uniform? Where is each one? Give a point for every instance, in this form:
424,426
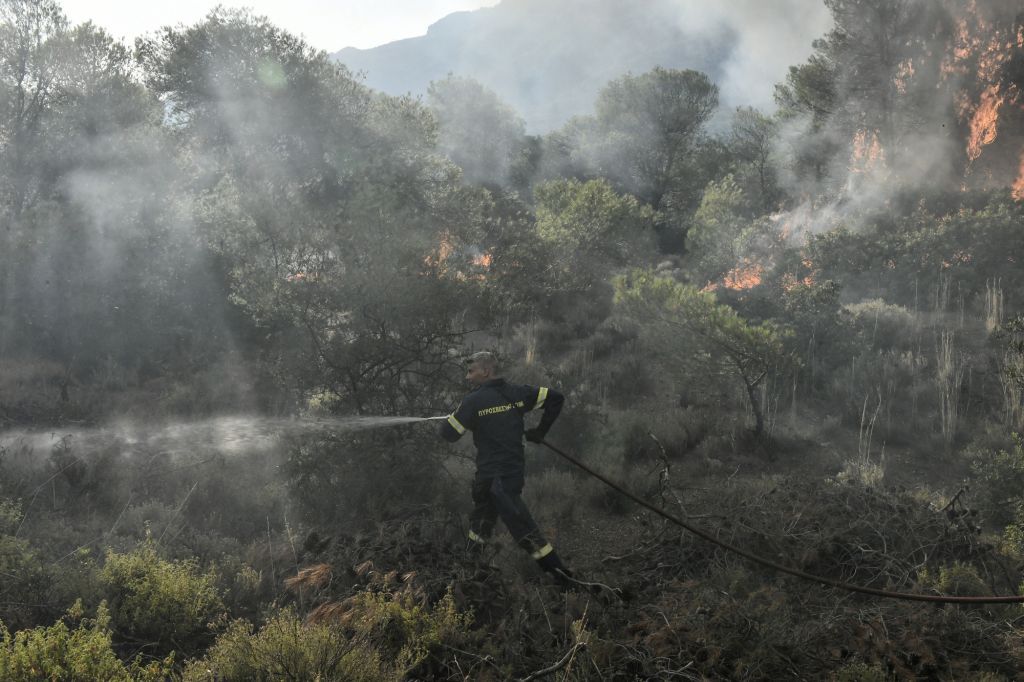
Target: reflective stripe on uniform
459,428
543,551
542,395
476,538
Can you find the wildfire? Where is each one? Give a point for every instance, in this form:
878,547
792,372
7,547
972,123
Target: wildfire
959,257
1018,186
790,281
904,72
747,275
985,121
445,248
866,152
483,260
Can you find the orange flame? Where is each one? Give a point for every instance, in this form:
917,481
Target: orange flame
746,275
904,72
984,123
483,260
438,256
1018,187
866,151
791,281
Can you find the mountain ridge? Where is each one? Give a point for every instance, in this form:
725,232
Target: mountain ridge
549,60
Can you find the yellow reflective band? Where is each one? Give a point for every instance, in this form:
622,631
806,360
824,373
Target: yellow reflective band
543,551
542,395
476,538
459,428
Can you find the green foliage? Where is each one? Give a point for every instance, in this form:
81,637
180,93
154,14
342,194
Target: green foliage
960,579
747,351
168,604
479,132
752,141
883,325
721,232
998,480
591,229
646,126
27,584
859,671
285,648
371,636
72,655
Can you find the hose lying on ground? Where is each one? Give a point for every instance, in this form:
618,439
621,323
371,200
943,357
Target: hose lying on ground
935,598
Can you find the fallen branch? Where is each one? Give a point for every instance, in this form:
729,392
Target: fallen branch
576,648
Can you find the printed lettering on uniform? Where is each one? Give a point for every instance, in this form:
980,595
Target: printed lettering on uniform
497,409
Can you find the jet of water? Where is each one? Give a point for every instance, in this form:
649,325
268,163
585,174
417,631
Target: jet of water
227,434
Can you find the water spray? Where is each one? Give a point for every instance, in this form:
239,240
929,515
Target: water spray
235,434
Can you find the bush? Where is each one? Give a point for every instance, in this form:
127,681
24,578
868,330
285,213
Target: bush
60,653
958,579
167,603
999,480
284,648
883,325
374,635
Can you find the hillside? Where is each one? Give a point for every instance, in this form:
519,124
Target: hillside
548,60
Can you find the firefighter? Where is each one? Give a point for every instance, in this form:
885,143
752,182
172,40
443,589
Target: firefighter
494,412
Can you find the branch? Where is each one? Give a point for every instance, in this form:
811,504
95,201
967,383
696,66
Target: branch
576,648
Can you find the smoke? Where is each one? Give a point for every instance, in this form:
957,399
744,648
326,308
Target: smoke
763,40
924,101
556,56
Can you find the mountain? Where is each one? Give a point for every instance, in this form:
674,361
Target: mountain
548,59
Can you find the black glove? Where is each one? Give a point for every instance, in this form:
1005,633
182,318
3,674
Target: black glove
535,435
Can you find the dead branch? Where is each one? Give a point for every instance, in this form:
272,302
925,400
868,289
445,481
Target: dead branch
576,648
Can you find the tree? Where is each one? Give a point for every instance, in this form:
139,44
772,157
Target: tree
647,127
591,230
752,141
328,205
721,230
480,133
749,352
872,85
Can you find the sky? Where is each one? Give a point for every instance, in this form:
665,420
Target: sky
325,24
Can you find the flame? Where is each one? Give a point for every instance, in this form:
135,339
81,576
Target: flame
1018,186
959,257
866,151
445,248
790,281
483,260
747,275
904,72
985,121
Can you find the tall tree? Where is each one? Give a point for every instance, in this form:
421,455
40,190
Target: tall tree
480,133
703,328
647,129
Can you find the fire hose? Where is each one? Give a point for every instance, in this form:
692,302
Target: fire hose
934,598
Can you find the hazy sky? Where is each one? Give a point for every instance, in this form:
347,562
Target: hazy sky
326,24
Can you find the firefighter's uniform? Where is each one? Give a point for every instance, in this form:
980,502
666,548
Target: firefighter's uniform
494,413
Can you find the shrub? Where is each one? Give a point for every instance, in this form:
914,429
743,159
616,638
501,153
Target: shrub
285,648
60,653
999,478
959,579
170,604
26,586
374,635
883,325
